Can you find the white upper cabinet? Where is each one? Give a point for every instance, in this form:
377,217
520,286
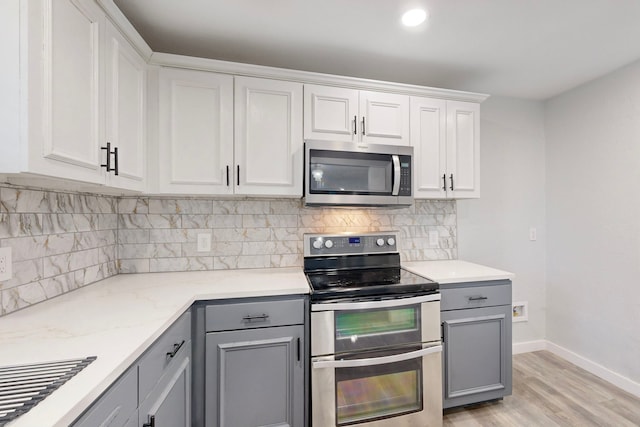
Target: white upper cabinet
196,132
429,141
339,114
199,152
446,140
79,102
82,85
126,119
268,137
330,113
384,118
72,92
463,149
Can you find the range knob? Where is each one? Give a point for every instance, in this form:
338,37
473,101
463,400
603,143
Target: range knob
317,244
380,242
391,241
328,244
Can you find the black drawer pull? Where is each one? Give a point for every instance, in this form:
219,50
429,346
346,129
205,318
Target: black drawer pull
256,318
152,420
176,349
477,298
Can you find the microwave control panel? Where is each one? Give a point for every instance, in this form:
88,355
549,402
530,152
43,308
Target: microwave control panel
405,176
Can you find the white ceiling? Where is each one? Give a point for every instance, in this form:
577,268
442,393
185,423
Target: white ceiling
521,48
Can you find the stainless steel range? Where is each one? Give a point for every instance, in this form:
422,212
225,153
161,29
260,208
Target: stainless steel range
375,334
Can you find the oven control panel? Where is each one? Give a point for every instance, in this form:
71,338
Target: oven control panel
350,244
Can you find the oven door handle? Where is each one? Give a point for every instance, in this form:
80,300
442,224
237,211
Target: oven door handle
367,305
396,175
372,361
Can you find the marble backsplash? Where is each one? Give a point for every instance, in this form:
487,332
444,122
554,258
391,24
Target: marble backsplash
59,241
62,241
158,234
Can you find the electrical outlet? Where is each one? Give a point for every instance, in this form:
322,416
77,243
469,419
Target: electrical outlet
204,242
533,234
5,264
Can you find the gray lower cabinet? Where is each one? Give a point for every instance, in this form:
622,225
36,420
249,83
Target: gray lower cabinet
169,403
117,407
155,391
476,328
255,370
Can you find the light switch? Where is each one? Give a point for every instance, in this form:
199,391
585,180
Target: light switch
204,242
533,235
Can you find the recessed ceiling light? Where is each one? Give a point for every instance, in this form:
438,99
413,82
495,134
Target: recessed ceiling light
414,17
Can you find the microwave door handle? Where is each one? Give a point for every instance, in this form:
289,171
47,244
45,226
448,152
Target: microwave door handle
396,175
372,361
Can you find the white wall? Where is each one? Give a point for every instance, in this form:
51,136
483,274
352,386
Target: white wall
593,221
494,230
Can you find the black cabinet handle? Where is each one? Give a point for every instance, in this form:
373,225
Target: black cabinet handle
176,349
363,132
298,349
256,318
115,157
477,298
227,175
451,177
238,175
151,423
355,125
444,181
108,164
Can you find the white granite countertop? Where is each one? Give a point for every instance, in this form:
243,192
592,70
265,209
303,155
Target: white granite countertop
116,320
455,271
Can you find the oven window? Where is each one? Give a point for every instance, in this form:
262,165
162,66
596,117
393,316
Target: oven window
369,393
375,322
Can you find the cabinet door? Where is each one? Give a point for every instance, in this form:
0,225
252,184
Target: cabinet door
196,132
429,141
116,406
255,377
72,88
126,110
330,113
169,405
384,118
463,148
477,355
268,137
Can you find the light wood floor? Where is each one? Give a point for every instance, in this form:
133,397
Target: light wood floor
549,391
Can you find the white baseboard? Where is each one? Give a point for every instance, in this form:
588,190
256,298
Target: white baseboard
529,346
614,378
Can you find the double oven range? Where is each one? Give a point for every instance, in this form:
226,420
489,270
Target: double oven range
375,334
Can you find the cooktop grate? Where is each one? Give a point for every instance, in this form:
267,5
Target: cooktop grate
24,386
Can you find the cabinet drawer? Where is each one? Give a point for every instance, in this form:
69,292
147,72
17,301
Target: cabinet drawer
475,296
158,358
116,406
258,314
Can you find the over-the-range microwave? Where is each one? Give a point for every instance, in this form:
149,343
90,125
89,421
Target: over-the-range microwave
352,175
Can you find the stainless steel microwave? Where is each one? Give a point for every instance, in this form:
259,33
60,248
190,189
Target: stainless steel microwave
347,174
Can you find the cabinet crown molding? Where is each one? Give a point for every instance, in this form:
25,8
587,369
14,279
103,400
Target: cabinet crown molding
308,77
